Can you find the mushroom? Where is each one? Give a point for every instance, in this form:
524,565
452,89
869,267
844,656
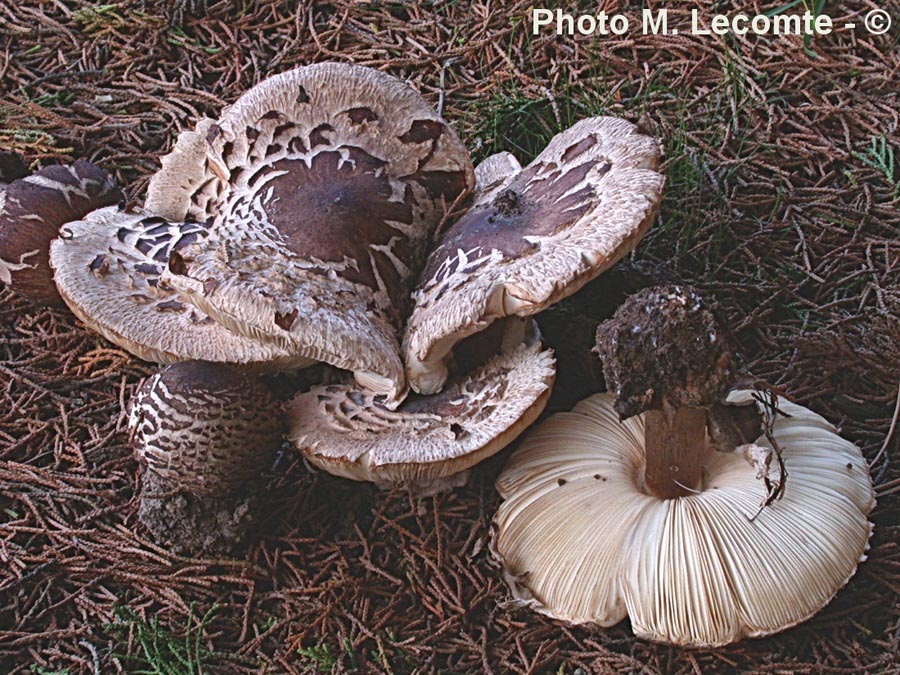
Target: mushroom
534,237
499,377
642,517
33,208
107,269
202,434
294,227
428,442
322,187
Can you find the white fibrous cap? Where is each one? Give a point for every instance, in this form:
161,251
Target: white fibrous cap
580,541
107,268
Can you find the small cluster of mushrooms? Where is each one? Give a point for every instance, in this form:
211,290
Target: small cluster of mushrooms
330,216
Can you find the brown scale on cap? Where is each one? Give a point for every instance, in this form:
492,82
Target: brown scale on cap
341,210
322,186
108,268
428,441
498,375
289,231
539,202
500,381
532,237
32,209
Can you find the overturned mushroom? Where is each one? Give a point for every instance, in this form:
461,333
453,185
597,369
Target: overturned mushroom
604,519
323,186
664,355
533,237
33,208
202,434
107,269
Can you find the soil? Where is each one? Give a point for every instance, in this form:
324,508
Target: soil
663,344
187,524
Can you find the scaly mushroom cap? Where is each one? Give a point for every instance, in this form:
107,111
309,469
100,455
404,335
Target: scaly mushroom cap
534,238
107,268
323,186
428,439
32,209
204,427
580,541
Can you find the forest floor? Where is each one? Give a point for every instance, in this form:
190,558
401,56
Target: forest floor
783,186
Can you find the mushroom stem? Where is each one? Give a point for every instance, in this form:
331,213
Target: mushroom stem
676,450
